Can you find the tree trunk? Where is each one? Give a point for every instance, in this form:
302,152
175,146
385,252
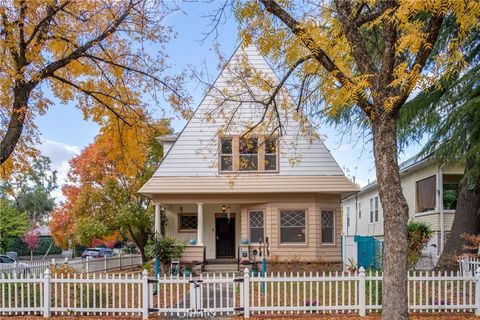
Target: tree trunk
395,213
21,94
466,221
142,253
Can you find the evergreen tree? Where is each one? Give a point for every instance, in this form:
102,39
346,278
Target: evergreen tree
449,115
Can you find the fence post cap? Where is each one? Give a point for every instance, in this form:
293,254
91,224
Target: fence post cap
53,260
246,271
66,260
145,273
47,272
361,270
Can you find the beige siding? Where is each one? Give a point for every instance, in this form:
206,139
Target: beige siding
313,250
248,183
191,254
408,180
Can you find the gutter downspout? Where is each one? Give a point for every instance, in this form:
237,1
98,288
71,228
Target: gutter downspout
356,215
440,207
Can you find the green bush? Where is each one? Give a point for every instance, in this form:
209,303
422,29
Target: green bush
419,234
165,249
17,245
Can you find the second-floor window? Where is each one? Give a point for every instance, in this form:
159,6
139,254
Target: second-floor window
373,209
226,154
247,154
271,154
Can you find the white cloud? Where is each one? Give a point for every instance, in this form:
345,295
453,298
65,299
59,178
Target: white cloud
59,153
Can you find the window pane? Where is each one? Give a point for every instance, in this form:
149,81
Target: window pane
256,226
271,146
256,219
271,162
256,235
227,146
248,146
292,226
426,194
227,163
188,222
248,163
450,193
327,226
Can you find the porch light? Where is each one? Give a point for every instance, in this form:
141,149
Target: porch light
224,209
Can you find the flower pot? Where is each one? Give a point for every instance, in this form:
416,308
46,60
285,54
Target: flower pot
192,242
244,241
187,273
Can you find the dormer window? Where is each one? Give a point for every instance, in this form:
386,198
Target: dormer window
248,154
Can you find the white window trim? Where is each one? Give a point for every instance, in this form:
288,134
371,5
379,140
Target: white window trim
334,243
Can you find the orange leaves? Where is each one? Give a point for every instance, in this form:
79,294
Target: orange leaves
88,52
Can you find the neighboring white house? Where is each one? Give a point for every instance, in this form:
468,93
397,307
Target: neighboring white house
430,189
228,191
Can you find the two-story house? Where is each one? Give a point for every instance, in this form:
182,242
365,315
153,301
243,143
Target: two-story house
430,189
228,188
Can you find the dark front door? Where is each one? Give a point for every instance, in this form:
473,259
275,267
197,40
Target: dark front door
225,235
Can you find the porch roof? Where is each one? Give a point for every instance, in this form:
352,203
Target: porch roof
248,184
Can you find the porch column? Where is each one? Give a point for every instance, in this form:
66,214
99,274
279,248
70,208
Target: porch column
157,219
200,224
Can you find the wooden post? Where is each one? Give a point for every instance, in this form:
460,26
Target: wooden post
87,267
145,301
477,292
246,293
104,263
361,293
46,293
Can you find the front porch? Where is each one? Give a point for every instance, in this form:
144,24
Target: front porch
211,231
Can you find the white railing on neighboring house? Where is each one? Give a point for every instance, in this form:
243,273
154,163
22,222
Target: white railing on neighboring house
225,294
88,265
468,265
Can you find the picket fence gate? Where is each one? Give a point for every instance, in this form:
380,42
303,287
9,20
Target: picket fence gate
227,294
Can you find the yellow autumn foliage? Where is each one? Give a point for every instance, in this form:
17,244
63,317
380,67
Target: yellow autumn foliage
89,52
320,29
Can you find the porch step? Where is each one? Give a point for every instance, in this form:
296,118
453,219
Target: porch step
229,267
221,261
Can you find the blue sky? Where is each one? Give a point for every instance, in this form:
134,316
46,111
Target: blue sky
64,132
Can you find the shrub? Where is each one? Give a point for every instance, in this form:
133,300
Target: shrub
165,249
419,234
16,244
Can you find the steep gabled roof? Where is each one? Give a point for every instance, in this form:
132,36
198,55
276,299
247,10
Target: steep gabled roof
194,153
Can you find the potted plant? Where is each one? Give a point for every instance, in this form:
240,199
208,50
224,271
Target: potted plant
352,267
244,262
187,270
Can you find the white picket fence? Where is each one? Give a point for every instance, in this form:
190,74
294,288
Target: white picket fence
87,265
468,265
226,294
